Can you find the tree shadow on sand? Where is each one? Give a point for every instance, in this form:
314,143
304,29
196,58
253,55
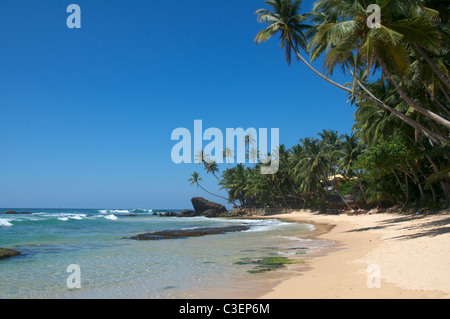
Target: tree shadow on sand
426,228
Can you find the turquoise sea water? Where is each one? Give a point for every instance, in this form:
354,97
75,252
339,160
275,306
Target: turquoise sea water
113,266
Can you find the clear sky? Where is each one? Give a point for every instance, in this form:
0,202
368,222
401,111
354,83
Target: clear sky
86,115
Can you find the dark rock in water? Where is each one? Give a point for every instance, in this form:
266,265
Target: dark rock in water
184,233
168,214
184,213
12,212
206,208
7,253
187,213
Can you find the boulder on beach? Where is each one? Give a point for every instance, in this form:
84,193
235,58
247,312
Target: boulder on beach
8,253
206,208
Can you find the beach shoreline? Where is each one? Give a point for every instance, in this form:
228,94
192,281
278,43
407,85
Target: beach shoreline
410,253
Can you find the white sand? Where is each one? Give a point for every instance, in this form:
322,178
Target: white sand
411,252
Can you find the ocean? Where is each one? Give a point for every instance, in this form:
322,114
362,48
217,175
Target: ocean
108,264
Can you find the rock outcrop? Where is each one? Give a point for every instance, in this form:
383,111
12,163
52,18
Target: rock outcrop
184,233
8,253
12,212
203,207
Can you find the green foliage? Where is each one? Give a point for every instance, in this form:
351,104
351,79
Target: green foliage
347,187
399,151
386,156
391,171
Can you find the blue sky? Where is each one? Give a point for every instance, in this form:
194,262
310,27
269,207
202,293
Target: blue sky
87,114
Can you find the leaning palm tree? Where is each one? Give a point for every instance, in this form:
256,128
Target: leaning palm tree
195,179
349,42
372,123
212,167
286,20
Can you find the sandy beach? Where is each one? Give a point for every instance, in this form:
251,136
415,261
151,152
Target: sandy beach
380,256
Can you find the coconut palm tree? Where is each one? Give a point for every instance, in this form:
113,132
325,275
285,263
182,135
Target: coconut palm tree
330,146
313,167
373,123
349,152
201,157
235,181
286,20
228,155
196,179
350,43
212,167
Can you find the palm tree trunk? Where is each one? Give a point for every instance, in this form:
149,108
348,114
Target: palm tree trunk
342,198
407,188
426,132
434,97
400,183
318,73
444,184
281,194
361,188
422,195
446,95
446,187
407,99
433,192
211,193
433,65
432,136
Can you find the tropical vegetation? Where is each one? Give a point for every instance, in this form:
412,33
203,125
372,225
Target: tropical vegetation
399,82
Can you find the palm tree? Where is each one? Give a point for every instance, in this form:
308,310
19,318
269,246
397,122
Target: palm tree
286,19
313,167
373,123
201,157
349,42
228,155
253,155
196,179
212,167
350,150
330,144
234,180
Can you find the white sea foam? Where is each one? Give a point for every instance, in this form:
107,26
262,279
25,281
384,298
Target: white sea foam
285,253
111,217
5,222
310,226
296,238
115,211
77,217
64,219
258,225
